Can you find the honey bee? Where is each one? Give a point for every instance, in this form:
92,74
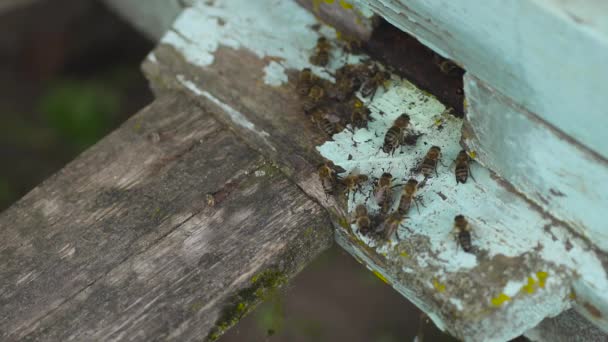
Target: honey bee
445,65
306,80
382,193
327,177
359,114
321,54
394,136
353,182
364,224
346,83
371,85
462,230
389,226
463,169
409,191
429,163
314,98
327,122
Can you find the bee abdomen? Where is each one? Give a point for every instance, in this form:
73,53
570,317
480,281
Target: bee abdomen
464,238
364,224
404,205
327,126
392,139
427,167
321,58
385,206
328,185
462,173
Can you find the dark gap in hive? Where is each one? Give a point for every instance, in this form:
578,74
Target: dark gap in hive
416,62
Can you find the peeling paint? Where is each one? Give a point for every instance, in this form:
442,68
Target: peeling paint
236,116
274,74
265,27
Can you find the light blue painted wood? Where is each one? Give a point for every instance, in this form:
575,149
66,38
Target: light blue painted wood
550,56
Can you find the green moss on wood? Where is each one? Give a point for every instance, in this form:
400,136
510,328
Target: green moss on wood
263,285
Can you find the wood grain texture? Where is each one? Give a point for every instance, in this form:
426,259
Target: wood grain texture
121,243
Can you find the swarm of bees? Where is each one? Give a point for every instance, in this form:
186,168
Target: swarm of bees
332,107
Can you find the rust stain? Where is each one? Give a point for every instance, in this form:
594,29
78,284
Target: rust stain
594,311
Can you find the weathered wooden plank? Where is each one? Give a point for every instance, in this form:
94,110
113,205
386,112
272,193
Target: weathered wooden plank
546,55
245,76
122,244
569,326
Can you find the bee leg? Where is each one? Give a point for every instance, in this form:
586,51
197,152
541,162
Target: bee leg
436,174
471,175
417,208
373,94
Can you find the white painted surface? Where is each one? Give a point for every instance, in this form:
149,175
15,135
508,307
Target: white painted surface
547,55
498,216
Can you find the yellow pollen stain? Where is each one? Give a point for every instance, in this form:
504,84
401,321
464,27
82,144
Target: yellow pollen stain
345,4
404,254
329,1
438,122
440,287
572,295
472,154
500,300
530,287
542,276
358,103
465,104
381,277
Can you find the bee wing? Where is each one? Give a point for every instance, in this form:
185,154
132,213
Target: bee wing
379,194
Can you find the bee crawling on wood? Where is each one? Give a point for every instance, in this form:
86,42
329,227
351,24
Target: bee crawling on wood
429,163
364,224
462,229
306,79
377,79
327,177
353,182
347,82
407,197
327,122
394,136
462,171
383,193
314,98
321,54
359,114
390,225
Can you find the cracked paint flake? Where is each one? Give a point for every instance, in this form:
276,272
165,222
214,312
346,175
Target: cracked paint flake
200,30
